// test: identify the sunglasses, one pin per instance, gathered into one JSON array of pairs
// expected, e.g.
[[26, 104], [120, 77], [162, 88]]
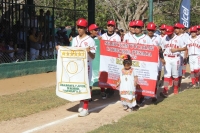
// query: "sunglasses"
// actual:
[[138, 27], [110, 26], [80, 27], [96, 29]]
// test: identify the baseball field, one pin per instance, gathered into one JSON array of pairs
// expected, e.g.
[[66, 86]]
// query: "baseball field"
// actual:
[[29, 104]]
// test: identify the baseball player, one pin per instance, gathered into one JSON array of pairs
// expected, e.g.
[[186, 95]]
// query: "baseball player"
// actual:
[[193, 46], [156, 40], [85, 41], [198, 30], [178, 31], [93, 29], [138, 38], [172, 41], [131, 31], [186, 37], [111, 36]]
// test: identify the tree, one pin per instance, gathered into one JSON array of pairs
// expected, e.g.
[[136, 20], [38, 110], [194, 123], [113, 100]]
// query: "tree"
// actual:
[[123, 11]]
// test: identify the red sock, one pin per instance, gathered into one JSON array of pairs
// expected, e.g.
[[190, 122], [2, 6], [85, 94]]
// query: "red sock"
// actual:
[[166, 84], [176, 82], [102, 89], [171, 81], [85, 104], [193, 78]]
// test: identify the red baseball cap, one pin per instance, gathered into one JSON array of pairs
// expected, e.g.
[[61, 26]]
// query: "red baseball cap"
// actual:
[[139, 23], [111, 22], [183, 26], [178, 25], [193, 29], [151, 26], [163, 27], [198, 27], [82, 22], [93, 27], [169, 30], [132, 23]]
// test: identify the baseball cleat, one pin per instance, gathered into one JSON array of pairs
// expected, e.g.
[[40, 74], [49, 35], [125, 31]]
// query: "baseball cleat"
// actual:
[[164, 95], [80, 106], [83, 113], [103, 95]]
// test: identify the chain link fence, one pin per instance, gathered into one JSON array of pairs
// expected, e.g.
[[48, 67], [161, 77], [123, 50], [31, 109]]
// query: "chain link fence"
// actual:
[[30, 31]]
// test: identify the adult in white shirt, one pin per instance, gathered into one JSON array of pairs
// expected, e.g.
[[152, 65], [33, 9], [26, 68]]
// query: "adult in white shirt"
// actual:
[[172, 59], [110, 35]]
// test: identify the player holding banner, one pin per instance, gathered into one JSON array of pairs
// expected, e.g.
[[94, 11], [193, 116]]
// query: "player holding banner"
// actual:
[[84, 41], [110, 35], [172, 64], [156, 40]]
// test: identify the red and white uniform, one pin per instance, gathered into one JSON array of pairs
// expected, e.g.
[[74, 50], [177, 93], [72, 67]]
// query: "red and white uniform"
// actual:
[[127, 36], [172, 59], [193, 46], [114, 37], [143, 39], [185, 39], [162, 40], [85, 42]]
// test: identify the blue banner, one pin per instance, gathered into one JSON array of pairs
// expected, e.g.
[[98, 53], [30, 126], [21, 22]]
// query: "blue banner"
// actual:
[[185, 13]]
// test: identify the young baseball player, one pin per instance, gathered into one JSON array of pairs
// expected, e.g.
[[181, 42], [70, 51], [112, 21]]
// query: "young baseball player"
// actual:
[[185, 61], [111, 36], [156, 40], [172, 64], [193, 46], [85, 41], [131, 31], [139, 38], [178, 31]]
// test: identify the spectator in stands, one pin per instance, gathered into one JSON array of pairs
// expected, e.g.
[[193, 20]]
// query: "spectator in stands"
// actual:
[[35, 43], [21, 38], [10, 50], [72, 34], [49, 22], [65, 37], [41, 20]]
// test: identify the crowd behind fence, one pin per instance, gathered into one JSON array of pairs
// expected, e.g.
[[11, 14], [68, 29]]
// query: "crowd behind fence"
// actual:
[[29, 32]]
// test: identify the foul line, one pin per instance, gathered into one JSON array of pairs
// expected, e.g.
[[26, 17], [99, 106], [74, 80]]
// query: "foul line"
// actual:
[[64, 119]]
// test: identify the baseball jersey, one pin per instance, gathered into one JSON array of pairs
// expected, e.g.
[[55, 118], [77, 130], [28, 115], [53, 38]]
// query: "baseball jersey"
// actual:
[[156, 40], [143, 39], [175, 42], [85, 42], [185, 38], [193, 46], [114, 37], [162, 40], [127, 36]]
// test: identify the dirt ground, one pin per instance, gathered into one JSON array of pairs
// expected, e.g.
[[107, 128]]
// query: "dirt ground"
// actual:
[[63, 119]]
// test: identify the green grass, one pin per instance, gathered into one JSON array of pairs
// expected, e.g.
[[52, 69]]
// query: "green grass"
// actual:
[[30, 102], [177, 114]]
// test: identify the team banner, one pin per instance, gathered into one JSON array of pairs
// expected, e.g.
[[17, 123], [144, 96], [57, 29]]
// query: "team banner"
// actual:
[[72, 74], [145, 64], [185, 13]]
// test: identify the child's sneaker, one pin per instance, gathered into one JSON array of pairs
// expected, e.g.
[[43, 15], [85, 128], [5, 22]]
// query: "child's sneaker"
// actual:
[[125, 107], [83, 113], [80, 106], [103, 95]]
